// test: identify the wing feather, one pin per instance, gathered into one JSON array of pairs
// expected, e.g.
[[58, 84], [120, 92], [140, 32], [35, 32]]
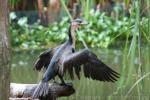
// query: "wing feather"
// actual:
[[44, 59], [92, 67], [70, 71]]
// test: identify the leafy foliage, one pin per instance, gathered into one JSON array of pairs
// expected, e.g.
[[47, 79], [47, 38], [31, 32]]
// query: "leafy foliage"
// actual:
[[101, 31]]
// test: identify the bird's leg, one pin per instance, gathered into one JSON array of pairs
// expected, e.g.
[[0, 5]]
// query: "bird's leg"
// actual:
[[54, 80], [62, 80]]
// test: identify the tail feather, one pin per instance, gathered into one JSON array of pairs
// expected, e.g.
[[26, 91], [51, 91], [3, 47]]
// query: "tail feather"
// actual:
[[41, 90]]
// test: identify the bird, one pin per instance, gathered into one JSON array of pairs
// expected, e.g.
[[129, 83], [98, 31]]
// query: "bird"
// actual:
[[64, 58]]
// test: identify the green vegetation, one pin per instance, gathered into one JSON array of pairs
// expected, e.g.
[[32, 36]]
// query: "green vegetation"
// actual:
[[100, 32]]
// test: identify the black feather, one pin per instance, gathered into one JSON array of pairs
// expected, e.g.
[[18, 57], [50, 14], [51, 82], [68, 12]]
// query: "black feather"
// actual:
[[92, 66]]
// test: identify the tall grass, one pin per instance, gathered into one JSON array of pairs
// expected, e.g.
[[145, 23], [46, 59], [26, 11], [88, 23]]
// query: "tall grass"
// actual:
[[134, 46], [148, 2]]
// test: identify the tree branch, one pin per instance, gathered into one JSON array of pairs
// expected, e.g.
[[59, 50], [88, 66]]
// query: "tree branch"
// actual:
[[24, 91]]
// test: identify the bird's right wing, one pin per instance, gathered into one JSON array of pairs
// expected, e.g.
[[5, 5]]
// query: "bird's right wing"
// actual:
[[44, 59], [92, 66]]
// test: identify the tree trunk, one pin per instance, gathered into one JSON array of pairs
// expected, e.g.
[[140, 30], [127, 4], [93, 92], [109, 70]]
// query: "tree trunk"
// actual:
[[70, 5], [53, 10], [42, 13], [4, 51]]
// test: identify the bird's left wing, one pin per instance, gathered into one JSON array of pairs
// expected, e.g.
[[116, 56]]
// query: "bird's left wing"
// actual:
[[92, 66]]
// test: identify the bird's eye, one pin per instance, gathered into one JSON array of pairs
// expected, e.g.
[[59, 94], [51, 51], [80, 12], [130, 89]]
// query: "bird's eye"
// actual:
[[80, 21]]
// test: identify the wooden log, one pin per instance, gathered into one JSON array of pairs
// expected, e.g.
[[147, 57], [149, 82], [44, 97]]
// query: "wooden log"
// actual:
[[25, 91]]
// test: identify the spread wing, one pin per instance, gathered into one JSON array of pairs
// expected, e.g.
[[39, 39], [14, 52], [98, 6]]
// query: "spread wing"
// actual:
[[44, 59], [92, 66]]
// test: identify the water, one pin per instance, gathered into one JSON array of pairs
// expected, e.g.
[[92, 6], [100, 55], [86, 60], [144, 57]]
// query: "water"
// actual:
[[86, 89]]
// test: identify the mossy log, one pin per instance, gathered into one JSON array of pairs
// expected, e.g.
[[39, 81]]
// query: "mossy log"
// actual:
[[24, 91]]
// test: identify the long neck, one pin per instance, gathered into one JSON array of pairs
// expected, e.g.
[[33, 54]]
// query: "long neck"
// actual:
[[72, 38]]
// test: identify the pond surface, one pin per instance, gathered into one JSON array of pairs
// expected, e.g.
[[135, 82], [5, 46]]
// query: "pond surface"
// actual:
[[86, 89]]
